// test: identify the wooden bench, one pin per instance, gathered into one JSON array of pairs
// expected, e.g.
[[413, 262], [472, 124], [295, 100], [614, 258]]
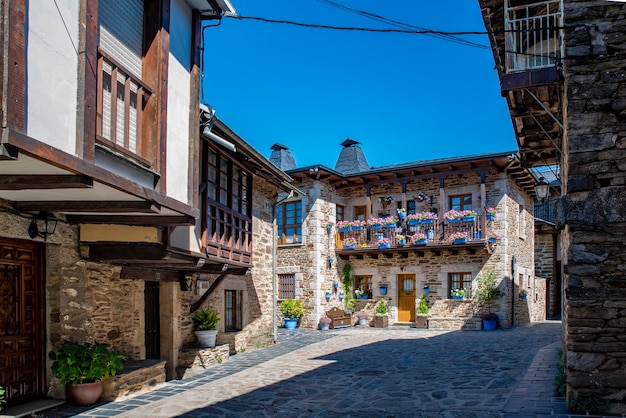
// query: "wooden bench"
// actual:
[[339, 318]]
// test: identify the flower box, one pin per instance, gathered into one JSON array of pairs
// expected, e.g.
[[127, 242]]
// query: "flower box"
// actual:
[[376, 226], [349, 247], [413, 222], [344, 229], [358, 228], [421, 242], [384, 246], [459, 241], [491, 217], [468, 218]]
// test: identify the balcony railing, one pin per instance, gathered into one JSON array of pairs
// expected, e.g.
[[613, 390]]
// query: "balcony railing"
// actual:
[[544, 213], [532, 35], [436, 233], [121, 100]]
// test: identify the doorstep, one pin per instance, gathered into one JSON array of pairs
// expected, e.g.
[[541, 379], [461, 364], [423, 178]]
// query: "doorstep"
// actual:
[[30, 408]]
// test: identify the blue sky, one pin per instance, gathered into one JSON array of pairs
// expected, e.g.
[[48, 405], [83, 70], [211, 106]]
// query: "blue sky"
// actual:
[[403, 97]]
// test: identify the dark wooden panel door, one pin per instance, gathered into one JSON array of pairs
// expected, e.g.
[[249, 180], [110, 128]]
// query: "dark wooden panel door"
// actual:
[[406, 297], [152, 327], [22, 327]]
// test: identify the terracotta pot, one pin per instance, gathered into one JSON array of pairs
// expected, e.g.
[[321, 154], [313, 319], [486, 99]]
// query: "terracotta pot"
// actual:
[[83, 394]]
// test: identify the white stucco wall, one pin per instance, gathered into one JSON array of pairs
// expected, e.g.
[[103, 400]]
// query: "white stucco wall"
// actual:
[[178, 102], [52, 73]]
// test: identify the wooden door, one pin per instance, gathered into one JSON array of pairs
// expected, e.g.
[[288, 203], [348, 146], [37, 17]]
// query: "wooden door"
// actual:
[[153, 323], [22, 306], [406, 298]]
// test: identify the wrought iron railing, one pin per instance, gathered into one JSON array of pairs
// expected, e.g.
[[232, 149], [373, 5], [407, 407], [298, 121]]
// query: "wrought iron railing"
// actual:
[[544, 212], [532, 35]]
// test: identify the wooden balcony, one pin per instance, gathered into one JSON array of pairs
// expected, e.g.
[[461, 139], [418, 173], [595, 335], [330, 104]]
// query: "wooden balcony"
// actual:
[[438, 236]]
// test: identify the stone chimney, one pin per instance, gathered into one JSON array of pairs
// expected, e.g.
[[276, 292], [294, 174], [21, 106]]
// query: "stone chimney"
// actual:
[[282, 158], [351, 159]]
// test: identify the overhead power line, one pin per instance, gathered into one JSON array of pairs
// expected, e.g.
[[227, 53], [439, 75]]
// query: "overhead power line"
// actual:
[[443, 36]]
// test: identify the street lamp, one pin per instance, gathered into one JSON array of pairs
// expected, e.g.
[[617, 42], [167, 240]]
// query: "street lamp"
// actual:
[[542, 189]]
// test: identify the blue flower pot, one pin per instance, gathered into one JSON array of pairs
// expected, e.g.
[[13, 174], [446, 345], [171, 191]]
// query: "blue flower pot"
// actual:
[[377, 226], [346, 229], [469, 218], [489, 324], [455, 220], [457, 297], [491, 217], [401, 215], [357, 228], [384, 246], [491, 240], [412, 222], [427, 221], [390, 225], [460, 241], [421, 242], [383, 290], [290, 323], [349, 247]]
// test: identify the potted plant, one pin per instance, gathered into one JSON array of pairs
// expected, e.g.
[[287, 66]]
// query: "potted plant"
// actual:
[[468, 215], [292, 310], [383, 288], [427, 217], [453, 216], [421, 319], [486, 293], [361, 294], [362, 317], [349, 243], [81, 368], [401, 239], [491, 213], [375, 223], [418, 238], [386, 200], [458, 294], [357, 225], [383, 243], [325, 323], [390, 221], [2, 400], [401, 213], [523, 294], [344, 226], [205, 327], [381, 321], [458, 237]]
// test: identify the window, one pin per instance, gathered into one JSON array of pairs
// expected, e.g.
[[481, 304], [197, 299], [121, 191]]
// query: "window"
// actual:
[[411, 207], [341, 213], [121, 92], [461, 202], [521, 222], [364, 283], [460, 281], [360, 212], [289, 220], [232, 310], [286, 286], [227, 196]]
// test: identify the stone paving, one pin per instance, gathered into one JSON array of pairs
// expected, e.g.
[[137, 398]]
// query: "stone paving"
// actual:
[[368, 372]]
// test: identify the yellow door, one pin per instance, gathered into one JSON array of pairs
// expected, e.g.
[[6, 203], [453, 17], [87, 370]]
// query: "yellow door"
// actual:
[[406, 297]]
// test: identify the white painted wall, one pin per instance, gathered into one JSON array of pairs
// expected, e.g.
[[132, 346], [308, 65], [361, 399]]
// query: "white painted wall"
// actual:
[[52, 60], [178, 139]]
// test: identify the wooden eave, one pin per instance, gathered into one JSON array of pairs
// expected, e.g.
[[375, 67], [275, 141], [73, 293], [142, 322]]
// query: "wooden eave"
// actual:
[[404, 173], [157, 256]]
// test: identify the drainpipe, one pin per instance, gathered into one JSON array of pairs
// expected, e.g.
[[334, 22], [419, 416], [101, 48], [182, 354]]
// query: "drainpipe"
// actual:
[[274, 275], [513, 293]]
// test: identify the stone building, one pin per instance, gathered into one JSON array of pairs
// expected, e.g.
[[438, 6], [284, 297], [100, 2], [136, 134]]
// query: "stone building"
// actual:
[[124, 203], [561, 65], [314, 242]]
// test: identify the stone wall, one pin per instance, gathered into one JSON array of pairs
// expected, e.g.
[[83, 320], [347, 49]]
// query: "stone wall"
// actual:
[[594, 202], [314, 275]]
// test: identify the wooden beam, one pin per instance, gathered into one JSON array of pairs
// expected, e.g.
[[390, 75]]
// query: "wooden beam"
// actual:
[[89, 206], [210, 290], [36, 182], [182, 220]]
